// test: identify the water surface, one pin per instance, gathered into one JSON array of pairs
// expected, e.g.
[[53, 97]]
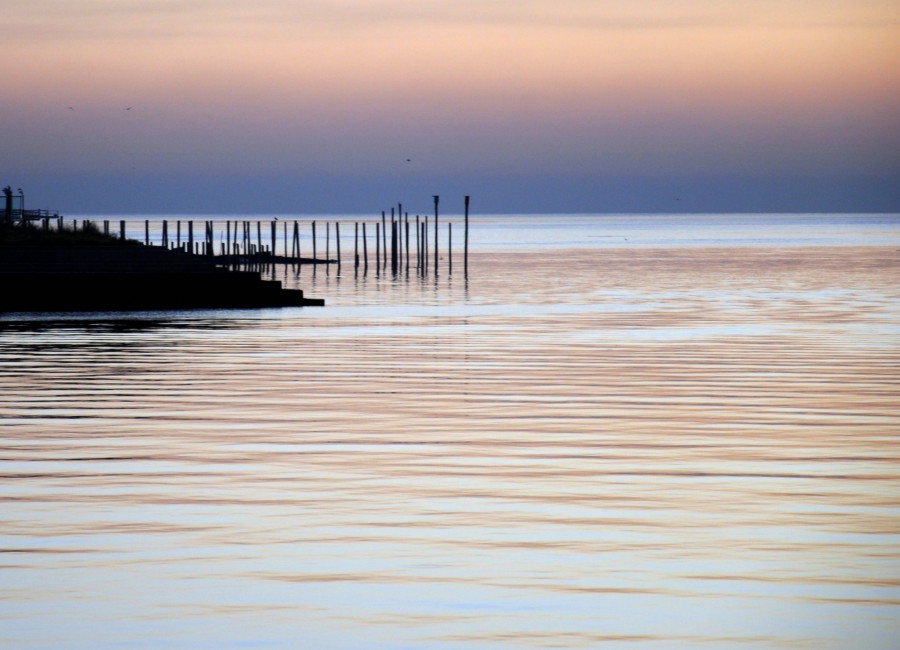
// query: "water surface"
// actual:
[[666, 445]]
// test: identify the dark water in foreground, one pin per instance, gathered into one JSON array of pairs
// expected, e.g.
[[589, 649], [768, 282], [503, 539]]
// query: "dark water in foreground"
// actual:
[[617, 445]]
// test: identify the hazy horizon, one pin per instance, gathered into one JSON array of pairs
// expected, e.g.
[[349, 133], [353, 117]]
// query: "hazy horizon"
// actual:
[[570, 106]]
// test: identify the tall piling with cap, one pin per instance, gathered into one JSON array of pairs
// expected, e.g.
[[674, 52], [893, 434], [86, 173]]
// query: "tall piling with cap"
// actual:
[[436, 200], [466, 249]]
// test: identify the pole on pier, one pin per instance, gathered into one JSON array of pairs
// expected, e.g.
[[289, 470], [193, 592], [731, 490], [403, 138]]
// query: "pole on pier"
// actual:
[[328, 242], [296, 247], [365, 250], [165, 234], [399, 234], [466, 249], [178, 233], [436, 199], [122, 229], [393, 246], [314, 239], [378, 245], [356, 245], [450, 247], [285, 238], [259, 236], [406, 239], [337, 241], [146, 232], [273, 238], [418, 244]]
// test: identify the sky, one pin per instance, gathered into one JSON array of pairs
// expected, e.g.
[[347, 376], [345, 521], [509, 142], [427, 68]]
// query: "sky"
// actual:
[[350, 106]]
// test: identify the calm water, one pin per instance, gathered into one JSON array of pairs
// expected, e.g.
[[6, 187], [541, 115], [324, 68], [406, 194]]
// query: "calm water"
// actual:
[[620, 432]]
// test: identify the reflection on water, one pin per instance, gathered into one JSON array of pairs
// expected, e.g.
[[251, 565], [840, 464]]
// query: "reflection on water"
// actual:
[[655, 448]]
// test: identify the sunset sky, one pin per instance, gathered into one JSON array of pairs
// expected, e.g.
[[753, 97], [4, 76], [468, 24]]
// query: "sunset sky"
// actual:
[[527, 105]]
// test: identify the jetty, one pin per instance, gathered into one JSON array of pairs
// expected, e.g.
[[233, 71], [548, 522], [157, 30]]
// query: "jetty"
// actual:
[[50, 263], [87, 271]]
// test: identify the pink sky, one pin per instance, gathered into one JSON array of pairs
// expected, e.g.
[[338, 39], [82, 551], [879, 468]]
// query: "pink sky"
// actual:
[[532, 103]]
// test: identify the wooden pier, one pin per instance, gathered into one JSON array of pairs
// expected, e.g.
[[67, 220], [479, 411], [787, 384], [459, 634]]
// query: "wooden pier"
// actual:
[[243, 243]]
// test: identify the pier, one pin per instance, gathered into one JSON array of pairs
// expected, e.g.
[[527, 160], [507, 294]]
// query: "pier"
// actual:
[[399, 244]]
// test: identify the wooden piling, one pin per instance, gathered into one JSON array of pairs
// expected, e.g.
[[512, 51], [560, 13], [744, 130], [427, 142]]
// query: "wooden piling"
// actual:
[[165, 233], [436, 199], [296, 247], [178, 233], [337, 241], [355, 245], [393, 246], [259, 236], [365, 250], [273, 238], [466, 249], [314, 239], [146, 232], [327, 241], [378, 245], [450, 247], [122, 229], [383, 237]]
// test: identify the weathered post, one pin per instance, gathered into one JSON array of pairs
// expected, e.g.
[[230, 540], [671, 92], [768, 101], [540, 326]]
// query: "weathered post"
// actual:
[[273, 238], [296, 248], [178, 233], [383, 238], [378, 245], [466, 249], [365, 250], [436, 199], [327, 241], [406, 239], [259, 236], [191, 237], [122, 229], [314, 239], [356, 245], [393, 247], [450, 247], [165, 233], [146, 232], [337, 241]]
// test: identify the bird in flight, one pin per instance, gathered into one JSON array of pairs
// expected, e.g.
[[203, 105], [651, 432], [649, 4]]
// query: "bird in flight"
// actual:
[[128, 109]]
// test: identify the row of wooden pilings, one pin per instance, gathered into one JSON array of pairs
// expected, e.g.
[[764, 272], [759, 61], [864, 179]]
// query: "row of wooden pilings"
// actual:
[[394, 241]]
